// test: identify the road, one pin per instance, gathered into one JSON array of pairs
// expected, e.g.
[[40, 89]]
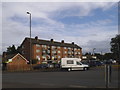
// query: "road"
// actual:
[[93, 78]]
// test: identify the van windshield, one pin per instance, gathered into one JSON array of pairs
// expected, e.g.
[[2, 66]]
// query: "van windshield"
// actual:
[[79, 63]]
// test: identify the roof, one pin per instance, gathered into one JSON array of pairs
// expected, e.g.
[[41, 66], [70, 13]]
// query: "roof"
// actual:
[[52, 43], [11, 56]]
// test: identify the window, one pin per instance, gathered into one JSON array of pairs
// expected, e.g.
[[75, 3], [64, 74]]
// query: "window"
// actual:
[[78, 52], [48, 47], [22, 46], [64, 47], [37, 45], [48, 51], [69, 48], [44, 51], [58, 51], [44, 46], [75, 52], [23, 52], [44, 56], [75, 48], [53, 46], [37, 57], [59, 56], [78, 63], [70, 62], [53, 51], [69, 52], [53, 57], [37, 51], [65, 56], [58, 47], [65, 52]]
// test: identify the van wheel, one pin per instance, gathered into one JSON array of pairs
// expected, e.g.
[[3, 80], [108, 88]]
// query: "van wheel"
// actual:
[[69, 69], [84, 68]]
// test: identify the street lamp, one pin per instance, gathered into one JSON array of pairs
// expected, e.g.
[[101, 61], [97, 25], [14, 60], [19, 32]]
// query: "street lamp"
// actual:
[[93, 51], [30, 37]]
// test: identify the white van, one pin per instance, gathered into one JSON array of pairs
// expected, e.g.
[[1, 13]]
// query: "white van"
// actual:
[[73, 64]]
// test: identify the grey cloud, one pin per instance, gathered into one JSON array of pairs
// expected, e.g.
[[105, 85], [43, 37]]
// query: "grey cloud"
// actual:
[[103, 46]]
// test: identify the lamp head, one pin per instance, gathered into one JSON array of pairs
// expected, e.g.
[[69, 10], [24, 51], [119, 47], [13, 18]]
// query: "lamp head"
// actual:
[[28, 12]]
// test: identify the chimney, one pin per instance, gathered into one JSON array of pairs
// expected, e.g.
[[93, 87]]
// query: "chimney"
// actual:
[[73, 43], [36, 38], [51, 40], [62, 41]]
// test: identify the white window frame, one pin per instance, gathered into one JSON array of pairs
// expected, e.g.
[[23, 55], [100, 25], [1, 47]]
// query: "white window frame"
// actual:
[[59, 52], [65, 47], [38, 57], [37, 50], [59, 56], [44, 46], [65, 52], [78, 52], [37, 45], [58, 47], [75, 48]]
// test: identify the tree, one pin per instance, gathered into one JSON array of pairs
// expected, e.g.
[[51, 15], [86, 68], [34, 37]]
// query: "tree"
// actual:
[[115, 47], [99, 56], [108, 56], [11, 50]]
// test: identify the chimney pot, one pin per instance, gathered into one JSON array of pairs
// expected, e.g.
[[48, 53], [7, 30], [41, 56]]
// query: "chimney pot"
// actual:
[[36, 37], [62, 41], [51, 40], [72, 42]]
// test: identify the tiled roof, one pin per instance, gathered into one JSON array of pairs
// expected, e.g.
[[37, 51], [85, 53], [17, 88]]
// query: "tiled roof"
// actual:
[[52, 43]]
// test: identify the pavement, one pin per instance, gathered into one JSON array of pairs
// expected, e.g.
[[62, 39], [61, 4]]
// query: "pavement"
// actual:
[[93, 78]]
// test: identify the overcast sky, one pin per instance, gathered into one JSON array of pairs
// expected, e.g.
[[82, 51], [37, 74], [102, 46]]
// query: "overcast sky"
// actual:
[[90, 25]]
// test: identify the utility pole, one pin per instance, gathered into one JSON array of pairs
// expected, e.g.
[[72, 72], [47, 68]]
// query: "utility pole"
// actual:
[[30, 40]]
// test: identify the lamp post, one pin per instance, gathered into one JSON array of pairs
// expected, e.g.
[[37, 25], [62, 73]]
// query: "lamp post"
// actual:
[[30, 38], [94, 51]]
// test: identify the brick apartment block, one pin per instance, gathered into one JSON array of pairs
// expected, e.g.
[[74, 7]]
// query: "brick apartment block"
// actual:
[[45, 50]]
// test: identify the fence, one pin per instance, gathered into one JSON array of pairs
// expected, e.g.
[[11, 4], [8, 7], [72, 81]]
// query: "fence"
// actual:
[[16, 68]]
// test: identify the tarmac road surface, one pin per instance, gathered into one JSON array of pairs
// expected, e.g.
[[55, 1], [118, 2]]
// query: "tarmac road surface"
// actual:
[[93, 78]]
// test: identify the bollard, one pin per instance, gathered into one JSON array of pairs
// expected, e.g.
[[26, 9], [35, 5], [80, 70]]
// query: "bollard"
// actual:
[[108, 74]]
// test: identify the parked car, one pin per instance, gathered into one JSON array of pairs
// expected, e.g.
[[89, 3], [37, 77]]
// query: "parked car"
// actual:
[[107, 62], [92, 63], [85, 62], [57, 65], [50, 65], [98, 63], [39, 66]]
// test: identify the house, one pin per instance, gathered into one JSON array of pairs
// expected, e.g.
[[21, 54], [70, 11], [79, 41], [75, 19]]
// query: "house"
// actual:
[[15, 62], [47, 50]]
